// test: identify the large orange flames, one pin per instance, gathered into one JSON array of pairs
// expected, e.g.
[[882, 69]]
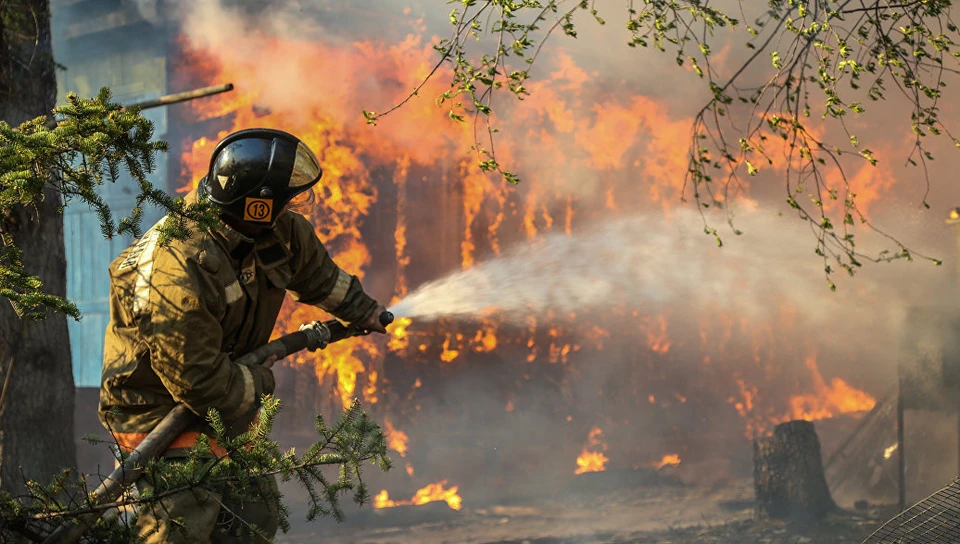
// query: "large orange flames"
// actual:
[[587, 148]]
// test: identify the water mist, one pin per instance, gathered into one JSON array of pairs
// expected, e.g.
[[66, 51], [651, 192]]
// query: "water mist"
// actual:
[[639, 262]]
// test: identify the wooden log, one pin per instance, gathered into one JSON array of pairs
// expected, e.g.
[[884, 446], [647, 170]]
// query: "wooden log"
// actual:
[[788, 474], [168, 99]]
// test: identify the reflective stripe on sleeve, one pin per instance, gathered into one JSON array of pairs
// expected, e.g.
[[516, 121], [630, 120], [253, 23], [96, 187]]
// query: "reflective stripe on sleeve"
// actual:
[[249, 396], [141, 291], [335, 298]]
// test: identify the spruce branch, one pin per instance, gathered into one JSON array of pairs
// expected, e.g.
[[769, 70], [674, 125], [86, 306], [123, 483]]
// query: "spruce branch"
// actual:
[[93, 141], [331, 467]]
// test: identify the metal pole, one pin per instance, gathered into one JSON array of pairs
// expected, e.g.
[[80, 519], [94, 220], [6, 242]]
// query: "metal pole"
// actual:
[[954, 219], [168, 99], [901, 463]]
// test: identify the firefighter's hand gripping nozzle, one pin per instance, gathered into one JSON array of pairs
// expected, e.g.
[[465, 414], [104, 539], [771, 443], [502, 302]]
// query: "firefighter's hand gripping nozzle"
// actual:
[[321, 333]]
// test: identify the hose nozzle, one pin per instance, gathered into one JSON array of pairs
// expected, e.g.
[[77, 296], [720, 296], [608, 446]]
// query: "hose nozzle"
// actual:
[[386, 317]]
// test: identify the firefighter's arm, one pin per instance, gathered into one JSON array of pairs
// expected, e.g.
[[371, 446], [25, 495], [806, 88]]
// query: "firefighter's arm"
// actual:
[[182, 330], [318, 281]]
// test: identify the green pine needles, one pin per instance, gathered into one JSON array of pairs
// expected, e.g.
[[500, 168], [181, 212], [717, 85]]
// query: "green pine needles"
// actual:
[[92, 141], [329, 470]]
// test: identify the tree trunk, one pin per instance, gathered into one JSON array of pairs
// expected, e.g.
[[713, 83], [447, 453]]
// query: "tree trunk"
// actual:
[[788, 474], [37, 391]]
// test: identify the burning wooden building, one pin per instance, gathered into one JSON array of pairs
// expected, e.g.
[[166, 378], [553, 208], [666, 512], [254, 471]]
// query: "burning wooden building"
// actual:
[[675, 379]]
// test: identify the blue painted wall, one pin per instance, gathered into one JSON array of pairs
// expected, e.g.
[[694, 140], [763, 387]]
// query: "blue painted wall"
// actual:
[[105, 43]]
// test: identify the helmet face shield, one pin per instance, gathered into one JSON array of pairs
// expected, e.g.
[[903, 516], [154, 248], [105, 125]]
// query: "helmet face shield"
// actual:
[[306, 168]]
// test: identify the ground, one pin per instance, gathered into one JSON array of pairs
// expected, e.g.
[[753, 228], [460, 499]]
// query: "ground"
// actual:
[[616, 506], [666, 513]]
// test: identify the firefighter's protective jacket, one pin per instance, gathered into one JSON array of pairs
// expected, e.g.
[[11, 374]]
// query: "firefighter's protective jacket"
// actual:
[[181, 312]]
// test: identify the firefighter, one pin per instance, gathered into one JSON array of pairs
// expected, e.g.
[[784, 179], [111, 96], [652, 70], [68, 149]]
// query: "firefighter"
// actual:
[[181, 312]]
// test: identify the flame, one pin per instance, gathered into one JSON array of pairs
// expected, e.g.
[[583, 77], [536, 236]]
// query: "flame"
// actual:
[[436, 492], [827, 401], [396, 439], [477, 187], [382, 500], [431, 493], [370, 391], [888, 452], [399, 338], [657, 339], [485, 340], [668, 460], [400, 231], [591, 460], [448, 354]]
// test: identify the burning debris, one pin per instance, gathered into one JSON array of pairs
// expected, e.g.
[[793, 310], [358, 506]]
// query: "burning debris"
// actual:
[[888, 452], [669, 460], [432, 493], [592, 459]]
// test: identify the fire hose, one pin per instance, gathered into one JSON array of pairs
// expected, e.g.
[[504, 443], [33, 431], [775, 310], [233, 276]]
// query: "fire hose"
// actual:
[[311, 336]]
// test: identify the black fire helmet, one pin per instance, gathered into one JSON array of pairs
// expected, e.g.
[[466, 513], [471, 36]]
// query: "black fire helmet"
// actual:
[[255, 173]]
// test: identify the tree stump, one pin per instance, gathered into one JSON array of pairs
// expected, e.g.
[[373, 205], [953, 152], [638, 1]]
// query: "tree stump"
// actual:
[[788, 474]]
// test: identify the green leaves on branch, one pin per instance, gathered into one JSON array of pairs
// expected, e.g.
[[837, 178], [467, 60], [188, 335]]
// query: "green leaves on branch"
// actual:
[[92, 142], [675, 23], [826, 57], [829, 57]]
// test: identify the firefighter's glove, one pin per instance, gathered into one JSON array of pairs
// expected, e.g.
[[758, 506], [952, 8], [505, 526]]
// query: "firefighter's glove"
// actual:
[[268, 362], [263, 380], [372, 321]]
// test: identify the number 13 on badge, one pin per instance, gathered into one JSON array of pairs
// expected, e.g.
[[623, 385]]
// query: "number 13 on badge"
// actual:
[[258, 209]]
